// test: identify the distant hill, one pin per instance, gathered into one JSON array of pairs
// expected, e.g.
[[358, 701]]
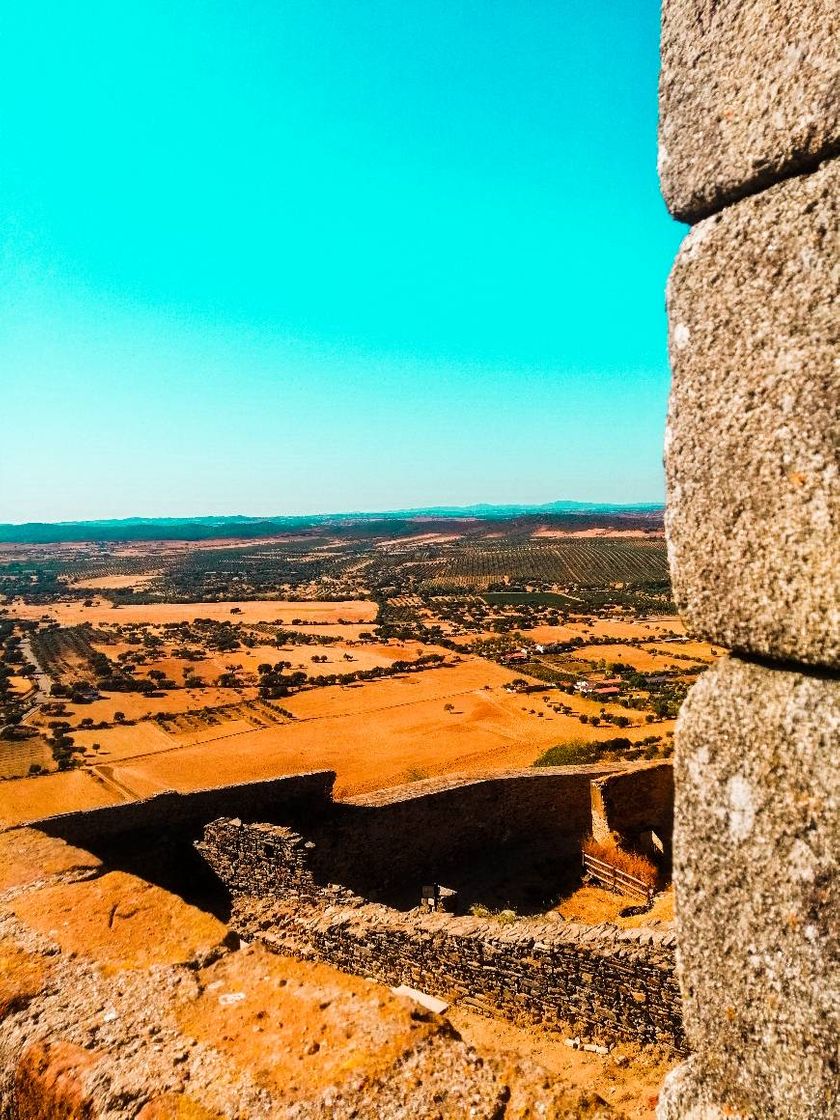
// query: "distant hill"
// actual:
[[565, 514]]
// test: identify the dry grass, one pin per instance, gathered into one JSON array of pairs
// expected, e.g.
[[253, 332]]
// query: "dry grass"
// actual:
[[591, 903], [648, 629], [29, 798], [631, 863], [115, 582], [265, 610], [646, 659]]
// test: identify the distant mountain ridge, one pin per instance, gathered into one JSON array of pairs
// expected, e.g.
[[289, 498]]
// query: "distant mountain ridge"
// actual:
[[242, 526]]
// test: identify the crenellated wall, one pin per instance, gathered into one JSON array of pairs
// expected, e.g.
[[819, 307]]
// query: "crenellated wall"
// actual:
[[749, 136]]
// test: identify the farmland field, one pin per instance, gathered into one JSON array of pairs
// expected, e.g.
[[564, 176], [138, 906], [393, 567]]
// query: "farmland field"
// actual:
[[271, 610], [387, 652]]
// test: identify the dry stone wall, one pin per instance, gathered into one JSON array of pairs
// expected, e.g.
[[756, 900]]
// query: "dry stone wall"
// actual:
[[606, 982], [390, 842], [118, 1001], [749, 136]]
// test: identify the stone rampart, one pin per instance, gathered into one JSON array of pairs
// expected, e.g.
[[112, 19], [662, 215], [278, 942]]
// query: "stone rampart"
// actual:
[[749, 137], [272, 799], [608, 982], [119, 1001], [429, 831]]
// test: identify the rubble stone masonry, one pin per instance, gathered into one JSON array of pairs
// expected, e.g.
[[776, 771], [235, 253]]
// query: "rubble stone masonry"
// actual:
[[608, 983]]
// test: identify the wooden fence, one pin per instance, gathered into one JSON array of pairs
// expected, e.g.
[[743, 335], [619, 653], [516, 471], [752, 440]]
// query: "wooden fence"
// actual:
[[619, 881]]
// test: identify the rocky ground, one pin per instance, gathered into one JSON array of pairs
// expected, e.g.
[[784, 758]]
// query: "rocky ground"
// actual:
[[119, 1000]]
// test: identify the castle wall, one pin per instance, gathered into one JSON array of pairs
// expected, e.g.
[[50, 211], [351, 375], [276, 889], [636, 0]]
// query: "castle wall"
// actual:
[[749, 136], [434, 830], [627, 804], [275, 798], [607, 982]]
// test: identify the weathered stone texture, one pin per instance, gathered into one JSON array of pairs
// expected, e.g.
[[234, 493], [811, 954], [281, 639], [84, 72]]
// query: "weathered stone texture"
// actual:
[[753, 517], [756, 851], [749, 92]]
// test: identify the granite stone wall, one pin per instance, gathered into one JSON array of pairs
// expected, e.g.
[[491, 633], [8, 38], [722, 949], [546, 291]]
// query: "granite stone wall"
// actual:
[[386, 845], [604, 982], [749, 137]]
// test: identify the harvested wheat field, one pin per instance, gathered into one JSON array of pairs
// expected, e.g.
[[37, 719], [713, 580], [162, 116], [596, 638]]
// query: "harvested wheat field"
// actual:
[[314, 660], [123, 741], [412, 736], [409, 688], [134, 705], [258, 610], [645, 659], [19, 685], [28, 799], [617, 629], [18, 755], [115, 582], [582, 705]]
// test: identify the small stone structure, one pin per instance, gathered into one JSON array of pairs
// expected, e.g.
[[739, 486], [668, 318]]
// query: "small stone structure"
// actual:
[[749, 138]]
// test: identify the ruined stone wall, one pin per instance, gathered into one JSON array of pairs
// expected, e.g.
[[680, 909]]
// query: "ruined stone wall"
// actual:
[[118, 1001], [627, 804], [749, 135], [607, 982], [427, 830], [272, 799]]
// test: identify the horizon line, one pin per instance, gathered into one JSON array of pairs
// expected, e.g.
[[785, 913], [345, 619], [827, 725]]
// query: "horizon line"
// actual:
[[446, 510]]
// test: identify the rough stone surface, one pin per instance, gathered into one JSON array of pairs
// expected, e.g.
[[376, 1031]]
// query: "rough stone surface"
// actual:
[[28, 857], [176, 1106], [749, 92], [118, 1001], [50, 1082], [753, 516], [756, 848], [120, 920]]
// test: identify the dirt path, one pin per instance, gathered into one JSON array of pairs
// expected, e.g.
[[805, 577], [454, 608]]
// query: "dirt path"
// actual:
[[105, 776], [42, 682]]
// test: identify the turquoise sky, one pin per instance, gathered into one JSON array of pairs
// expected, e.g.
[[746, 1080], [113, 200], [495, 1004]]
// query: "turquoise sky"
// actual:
[[286, 257]]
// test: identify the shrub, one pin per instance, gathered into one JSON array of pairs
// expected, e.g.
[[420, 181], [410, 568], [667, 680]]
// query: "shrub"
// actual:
[[577, 752], [632, 863]]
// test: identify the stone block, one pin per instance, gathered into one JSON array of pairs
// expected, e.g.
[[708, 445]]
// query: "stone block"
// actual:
[[751, 447], [22, 976], [756, 849], [51, 1082], [749, 92]]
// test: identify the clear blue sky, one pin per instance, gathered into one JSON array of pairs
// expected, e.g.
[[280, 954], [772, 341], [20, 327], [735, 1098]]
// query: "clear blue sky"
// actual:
[[287, 256]]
